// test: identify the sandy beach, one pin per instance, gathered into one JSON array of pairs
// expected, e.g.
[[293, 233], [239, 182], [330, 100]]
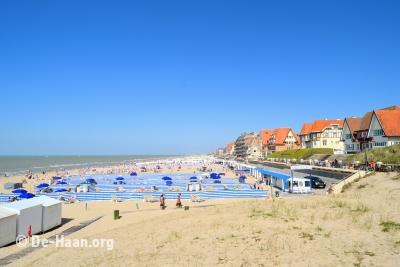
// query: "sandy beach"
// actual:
[[333, 230]]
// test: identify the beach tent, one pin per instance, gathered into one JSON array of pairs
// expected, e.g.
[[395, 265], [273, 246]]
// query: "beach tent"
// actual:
[[26, 195], [19, 191], [28, 213], [51, 212], [8, 226]]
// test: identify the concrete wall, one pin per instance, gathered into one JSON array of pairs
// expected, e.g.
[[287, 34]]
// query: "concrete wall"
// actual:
[[337, 188]]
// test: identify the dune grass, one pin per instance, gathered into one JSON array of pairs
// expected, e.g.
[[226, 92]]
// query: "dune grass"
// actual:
[[300, 153], [387, 155]]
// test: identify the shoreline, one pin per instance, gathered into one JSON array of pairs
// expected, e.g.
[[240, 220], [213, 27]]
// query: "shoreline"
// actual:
[[65, 165]]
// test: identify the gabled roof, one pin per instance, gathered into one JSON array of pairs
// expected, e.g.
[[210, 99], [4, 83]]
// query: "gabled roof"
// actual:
[[354, 123], [366, 120], [280, 135], [390, 120]]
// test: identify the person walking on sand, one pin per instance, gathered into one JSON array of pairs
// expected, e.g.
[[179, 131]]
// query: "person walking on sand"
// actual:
[[162, 201], [178, 201]]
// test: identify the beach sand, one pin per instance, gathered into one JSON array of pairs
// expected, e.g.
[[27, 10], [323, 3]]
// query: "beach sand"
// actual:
[[340, 230]]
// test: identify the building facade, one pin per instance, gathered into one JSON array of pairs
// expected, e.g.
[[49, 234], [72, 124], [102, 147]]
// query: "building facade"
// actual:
[[282, 139], [377, 128], [322, 134]]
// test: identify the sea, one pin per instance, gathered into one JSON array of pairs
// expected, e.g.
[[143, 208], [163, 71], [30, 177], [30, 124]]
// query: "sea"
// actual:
[[16, 165]]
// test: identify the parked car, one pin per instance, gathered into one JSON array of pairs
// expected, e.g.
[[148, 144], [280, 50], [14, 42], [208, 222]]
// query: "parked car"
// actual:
[[316, 182]]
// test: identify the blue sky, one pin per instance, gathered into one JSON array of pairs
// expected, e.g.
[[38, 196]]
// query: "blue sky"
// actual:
[[173, 77]]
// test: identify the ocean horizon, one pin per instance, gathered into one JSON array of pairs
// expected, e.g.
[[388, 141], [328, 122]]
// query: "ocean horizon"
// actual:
[[14, 164]]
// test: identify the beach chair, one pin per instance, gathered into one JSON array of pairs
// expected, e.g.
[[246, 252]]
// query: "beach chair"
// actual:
[[149, 198], [196, 198]]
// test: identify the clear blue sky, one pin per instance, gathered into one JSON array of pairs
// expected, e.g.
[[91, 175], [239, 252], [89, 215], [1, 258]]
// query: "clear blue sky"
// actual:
[[172, 77]]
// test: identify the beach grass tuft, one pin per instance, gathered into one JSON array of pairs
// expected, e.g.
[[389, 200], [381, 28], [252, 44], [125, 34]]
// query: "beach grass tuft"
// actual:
[[389, 226]]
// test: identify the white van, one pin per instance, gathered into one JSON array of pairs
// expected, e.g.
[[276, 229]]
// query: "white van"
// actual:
[[300, 185]]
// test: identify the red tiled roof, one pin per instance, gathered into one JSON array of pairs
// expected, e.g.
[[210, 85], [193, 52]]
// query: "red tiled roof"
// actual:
[[265, 136], [306, 128], [390, 121], [319, 126], [280, 135]]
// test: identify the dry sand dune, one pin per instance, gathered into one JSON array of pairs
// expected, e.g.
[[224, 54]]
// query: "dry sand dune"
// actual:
[[341, 230]]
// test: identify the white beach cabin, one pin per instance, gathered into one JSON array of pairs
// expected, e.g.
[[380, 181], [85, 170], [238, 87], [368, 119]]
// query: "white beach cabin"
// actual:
[[28, 213], [8, 226], [51, 212]]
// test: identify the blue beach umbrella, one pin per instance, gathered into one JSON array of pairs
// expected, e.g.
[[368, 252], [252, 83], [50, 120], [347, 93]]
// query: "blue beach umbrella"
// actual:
[[166, 178], [120, 178], [43, 185], [61, 190], [91, 181], [61, 183], [193, 179], [133, 174], [26, 195], [243, 177], [57, 178], [216, 177], [213, 175], [19, 191]]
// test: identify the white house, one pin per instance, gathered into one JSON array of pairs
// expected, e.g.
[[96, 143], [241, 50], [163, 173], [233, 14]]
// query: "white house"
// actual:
[[377, 128], [384, 128]]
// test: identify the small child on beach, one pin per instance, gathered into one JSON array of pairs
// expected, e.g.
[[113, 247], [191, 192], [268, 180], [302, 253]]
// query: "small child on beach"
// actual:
[[162, 201], [178, 201]]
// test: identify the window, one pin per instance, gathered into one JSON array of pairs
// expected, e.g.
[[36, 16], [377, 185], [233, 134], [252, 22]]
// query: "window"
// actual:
[[378, 132], [324, 142], [379, 144], [307, 183], [348, 136]]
